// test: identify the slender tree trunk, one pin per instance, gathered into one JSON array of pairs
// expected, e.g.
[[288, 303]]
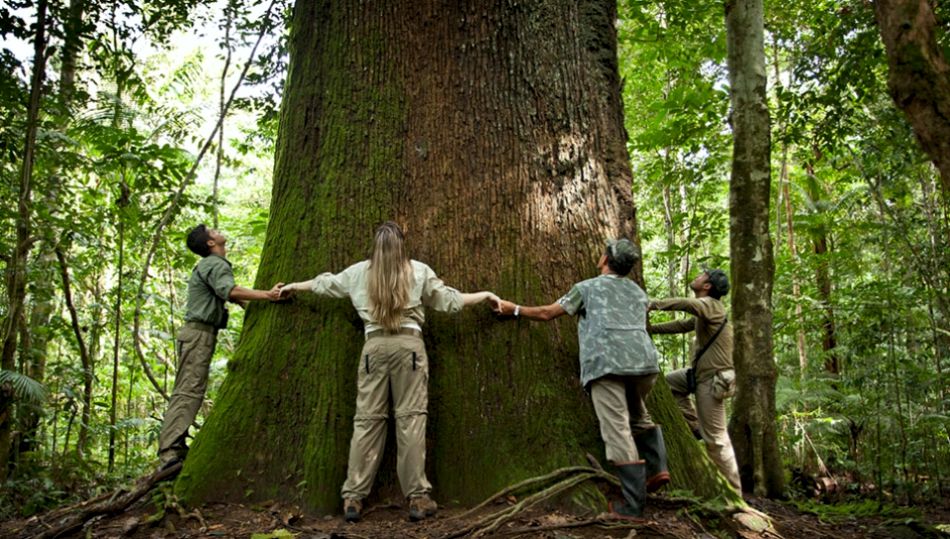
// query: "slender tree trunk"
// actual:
[[819, 238], [72, 45], [95, 348], [34, 348], [918, 76], [793, 253], [752, 427], [83, 353], [219, 156], [16, 280], [116, 342], [494, 134]]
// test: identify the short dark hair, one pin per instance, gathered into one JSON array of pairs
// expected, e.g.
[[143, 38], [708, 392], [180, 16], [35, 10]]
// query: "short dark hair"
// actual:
[[718, 282], [619, 264], [198, 240]]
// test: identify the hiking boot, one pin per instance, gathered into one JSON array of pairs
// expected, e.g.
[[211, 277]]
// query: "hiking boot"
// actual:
[[651, 447], [166, 464], [169, 458], [633, 485], [352, 509], [421, 507]]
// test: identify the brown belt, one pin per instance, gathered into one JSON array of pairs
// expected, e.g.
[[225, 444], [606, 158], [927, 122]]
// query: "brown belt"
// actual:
[[402, 331]]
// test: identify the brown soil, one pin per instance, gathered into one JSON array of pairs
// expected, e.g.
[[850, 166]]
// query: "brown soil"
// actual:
[[665, 518]]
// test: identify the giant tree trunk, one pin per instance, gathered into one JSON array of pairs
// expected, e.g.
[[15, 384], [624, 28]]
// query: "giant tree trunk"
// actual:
[[493, 132], [752, 427], [918, 76]]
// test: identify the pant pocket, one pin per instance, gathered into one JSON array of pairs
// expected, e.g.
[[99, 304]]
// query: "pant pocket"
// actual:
[[724, 384]]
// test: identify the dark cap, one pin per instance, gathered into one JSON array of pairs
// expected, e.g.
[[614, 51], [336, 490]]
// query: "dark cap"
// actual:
[[718, 279], [623, 251]]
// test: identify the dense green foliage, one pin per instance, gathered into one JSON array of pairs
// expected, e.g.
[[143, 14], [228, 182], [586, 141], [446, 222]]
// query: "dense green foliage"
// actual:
[[866, 217], [869, 273]]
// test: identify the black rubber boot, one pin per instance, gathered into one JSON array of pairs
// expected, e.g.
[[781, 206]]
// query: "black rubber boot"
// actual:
[[651, 447], [633, 485]]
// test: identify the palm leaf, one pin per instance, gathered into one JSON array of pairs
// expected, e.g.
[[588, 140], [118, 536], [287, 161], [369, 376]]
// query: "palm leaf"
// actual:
[[24, 387]]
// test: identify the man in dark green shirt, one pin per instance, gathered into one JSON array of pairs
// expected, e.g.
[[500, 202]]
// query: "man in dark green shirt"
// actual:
[[211, 285]]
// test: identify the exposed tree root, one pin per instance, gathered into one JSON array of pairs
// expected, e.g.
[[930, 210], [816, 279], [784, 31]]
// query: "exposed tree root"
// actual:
[[69, 519], [601, 521], [750, 523]]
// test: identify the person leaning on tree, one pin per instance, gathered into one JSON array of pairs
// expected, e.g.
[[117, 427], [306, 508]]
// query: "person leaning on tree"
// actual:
[[210, 287], [711, 351], [390, 292], [618, 365]]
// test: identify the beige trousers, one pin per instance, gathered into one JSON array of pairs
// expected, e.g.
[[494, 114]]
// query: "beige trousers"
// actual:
[[195, 348], [397, 366], [710, 421], [622, 414]]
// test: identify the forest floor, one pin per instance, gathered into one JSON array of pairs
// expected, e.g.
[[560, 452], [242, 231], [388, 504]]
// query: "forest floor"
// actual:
[[665, 518]]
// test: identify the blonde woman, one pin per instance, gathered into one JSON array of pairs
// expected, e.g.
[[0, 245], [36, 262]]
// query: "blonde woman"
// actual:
[[390, 292]]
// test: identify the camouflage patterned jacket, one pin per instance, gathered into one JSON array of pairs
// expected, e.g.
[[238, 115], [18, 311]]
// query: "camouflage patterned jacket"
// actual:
[[611, 327]]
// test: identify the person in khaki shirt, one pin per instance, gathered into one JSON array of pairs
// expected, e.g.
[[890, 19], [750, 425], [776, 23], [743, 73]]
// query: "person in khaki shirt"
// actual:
[[714, 374], [210, 287], [390, 293]]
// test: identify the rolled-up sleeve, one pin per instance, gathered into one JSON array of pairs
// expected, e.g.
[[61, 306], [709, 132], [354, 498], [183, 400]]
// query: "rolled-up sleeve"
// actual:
[[436, 295], [572, 301]]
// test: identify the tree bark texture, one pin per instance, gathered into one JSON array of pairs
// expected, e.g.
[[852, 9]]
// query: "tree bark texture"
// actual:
[[752, 427], [918, 76], [16, 279], [493, 133]]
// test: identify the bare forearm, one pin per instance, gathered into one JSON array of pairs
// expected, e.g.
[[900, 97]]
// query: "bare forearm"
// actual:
[[299, 287], [239, 294], [471, 298], [540, 313]]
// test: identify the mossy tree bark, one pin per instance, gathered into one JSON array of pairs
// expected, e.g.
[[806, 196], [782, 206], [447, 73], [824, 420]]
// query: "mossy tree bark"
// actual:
[[493, 133], [752, 427]]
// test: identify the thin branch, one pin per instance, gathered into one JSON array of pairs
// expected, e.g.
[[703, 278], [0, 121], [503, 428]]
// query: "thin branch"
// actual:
[[83, 351]]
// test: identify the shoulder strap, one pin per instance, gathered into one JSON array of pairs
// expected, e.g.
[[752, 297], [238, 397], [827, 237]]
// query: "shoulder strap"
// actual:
[[711, 341]]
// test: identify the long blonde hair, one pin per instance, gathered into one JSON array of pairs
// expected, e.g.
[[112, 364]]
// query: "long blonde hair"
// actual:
[[390, 277]]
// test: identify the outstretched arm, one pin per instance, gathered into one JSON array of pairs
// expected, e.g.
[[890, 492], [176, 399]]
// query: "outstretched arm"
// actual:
[[541, 313], [477, 297], [241, 295], [326, 284], [289, 290]]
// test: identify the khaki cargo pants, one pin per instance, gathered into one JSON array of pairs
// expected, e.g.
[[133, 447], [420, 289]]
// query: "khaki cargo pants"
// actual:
[[710, 420], [622, 414], [195, 346], [390, 365]]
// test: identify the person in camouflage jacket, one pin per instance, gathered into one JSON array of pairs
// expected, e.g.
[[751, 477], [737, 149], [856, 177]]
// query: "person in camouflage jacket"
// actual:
[[618, 367]]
